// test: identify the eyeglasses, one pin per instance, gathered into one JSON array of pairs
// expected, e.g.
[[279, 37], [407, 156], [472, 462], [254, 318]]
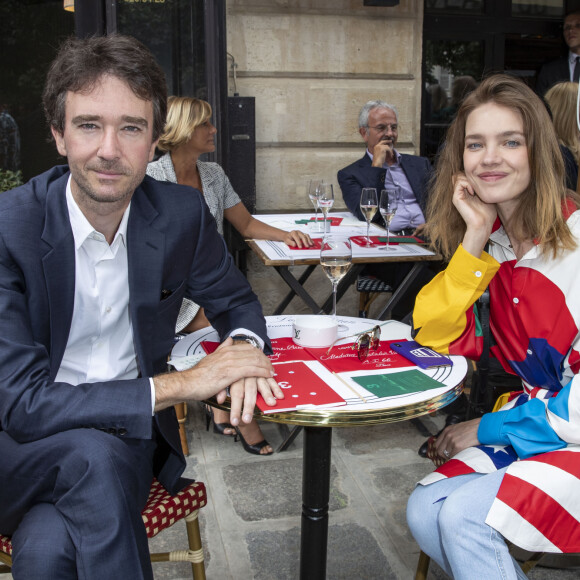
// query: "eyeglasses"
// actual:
[[384, 128], [365, 341]]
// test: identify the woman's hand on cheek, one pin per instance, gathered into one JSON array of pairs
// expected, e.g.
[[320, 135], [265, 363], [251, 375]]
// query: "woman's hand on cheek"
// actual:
[[478, 216]]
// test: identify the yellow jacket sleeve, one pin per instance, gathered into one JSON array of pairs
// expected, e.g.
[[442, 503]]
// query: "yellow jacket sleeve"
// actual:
[[440, 314]]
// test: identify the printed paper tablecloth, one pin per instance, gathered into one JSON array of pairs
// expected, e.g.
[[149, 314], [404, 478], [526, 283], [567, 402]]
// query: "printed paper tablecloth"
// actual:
[[345, 383]]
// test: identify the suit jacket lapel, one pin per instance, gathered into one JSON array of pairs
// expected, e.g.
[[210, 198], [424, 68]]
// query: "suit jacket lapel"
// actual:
[[379, 185], [414, 176], [145, 250], [58, 263]]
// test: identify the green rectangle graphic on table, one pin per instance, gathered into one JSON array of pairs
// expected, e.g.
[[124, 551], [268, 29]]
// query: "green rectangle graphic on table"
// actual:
[[396, 384]]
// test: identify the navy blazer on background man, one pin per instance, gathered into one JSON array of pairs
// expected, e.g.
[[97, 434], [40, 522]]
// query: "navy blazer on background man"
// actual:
[[361, 174], [174, 250], [556, 71]]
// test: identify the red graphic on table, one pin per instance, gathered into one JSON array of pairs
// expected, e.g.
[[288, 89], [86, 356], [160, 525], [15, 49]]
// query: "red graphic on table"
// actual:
[[209, 346], [378, 241], [334, 221], [302, 388], [285, 349], [317, 245], [344, 358]]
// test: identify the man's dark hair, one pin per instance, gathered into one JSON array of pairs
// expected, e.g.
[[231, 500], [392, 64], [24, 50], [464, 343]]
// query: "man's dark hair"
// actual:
[[81, 62]]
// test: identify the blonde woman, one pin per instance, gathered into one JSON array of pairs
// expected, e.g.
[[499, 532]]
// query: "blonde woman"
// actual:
[[561, 100], [188, 134], [501, 213]]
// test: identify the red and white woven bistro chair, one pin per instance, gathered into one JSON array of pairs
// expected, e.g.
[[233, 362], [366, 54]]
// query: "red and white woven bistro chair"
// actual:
[[161, 512]]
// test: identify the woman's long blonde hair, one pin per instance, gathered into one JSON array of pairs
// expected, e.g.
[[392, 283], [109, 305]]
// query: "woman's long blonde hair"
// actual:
[[540, 211], [561, 99], [184, 115]]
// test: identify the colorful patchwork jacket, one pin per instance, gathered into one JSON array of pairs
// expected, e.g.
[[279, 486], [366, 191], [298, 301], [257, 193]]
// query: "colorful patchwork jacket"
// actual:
[[535, 322]]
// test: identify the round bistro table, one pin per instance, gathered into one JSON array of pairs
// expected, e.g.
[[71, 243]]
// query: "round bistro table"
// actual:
[[318, 425]]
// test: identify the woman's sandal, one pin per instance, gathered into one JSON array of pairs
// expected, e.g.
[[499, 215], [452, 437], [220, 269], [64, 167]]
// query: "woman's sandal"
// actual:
[[217, 427], [255, 448]]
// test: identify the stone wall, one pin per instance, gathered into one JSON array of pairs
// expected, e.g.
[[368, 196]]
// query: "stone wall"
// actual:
[[311, 65]]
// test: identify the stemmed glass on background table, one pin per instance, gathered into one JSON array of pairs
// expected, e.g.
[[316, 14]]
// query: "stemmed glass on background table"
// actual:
[[325, 202], [388, 208], [336, 260], [313, 193], [368, 207]]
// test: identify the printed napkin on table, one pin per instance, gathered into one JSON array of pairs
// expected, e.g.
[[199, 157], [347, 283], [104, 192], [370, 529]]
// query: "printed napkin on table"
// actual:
[[344, 358], [302, 389], [334, 221], [317, 245], [381, 241], [285, 349]]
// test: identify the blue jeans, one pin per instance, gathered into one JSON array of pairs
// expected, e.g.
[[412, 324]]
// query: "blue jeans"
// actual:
[[447, 519]]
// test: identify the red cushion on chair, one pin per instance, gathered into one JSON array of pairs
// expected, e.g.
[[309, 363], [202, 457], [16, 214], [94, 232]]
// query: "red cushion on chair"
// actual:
[[5, 545], [163, 510]]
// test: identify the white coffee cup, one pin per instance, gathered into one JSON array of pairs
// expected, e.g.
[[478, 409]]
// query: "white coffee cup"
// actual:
[[314, 331]]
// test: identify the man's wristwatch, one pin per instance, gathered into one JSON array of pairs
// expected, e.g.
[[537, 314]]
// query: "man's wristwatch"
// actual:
[[246, 338]]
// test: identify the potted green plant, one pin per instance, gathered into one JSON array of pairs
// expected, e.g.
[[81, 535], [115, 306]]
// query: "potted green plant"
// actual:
[[9, 179]]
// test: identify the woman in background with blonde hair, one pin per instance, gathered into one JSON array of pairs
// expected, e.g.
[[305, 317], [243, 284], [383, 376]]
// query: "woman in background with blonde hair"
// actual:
[[188, 134], [562, 101]]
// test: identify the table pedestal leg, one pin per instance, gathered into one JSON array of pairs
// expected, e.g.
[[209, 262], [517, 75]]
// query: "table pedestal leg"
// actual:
[[315, 495]]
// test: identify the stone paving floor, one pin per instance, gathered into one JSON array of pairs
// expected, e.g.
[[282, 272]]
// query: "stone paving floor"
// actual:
[[251, 525]]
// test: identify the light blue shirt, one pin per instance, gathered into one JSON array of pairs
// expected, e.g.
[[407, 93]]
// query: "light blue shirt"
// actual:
[[409, 213]]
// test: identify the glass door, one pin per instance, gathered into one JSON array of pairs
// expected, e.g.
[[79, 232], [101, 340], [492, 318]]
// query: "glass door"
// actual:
[[463, 41], [174, 32]]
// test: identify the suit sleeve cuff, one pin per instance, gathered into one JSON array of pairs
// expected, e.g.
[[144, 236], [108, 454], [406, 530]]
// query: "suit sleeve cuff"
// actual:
[[490, 429]]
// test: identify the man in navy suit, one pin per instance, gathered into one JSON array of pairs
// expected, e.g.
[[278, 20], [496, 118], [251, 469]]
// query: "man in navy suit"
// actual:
[[382, 166], [563, 69], [95, 259]]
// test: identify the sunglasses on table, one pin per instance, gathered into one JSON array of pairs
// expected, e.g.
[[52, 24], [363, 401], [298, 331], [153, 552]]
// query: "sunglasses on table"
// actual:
[[366, 340]]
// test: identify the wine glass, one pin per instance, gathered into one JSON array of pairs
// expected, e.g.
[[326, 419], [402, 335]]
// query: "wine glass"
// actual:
[[388, 208], [325, 201], [313, 192], [368, 206], [336, 260]]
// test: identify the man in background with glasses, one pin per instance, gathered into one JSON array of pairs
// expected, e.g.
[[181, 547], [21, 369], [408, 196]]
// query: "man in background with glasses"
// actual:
[[382, 167], [566, 68]]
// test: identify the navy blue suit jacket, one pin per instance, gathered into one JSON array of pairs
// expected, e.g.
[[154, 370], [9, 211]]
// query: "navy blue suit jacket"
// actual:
[[361, 174], [553, 72], [173, 249]]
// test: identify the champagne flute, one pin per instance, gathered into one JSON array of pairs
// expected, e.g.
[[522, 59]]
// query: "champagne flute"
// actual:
[[368, 207], [388, 208], [336, 260], [325, 201], [313, 192]]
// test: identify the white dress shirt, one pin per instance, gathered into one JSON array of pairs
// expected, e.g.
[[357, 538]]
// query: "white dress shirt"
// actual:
[[572, 64], [100, 343]]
